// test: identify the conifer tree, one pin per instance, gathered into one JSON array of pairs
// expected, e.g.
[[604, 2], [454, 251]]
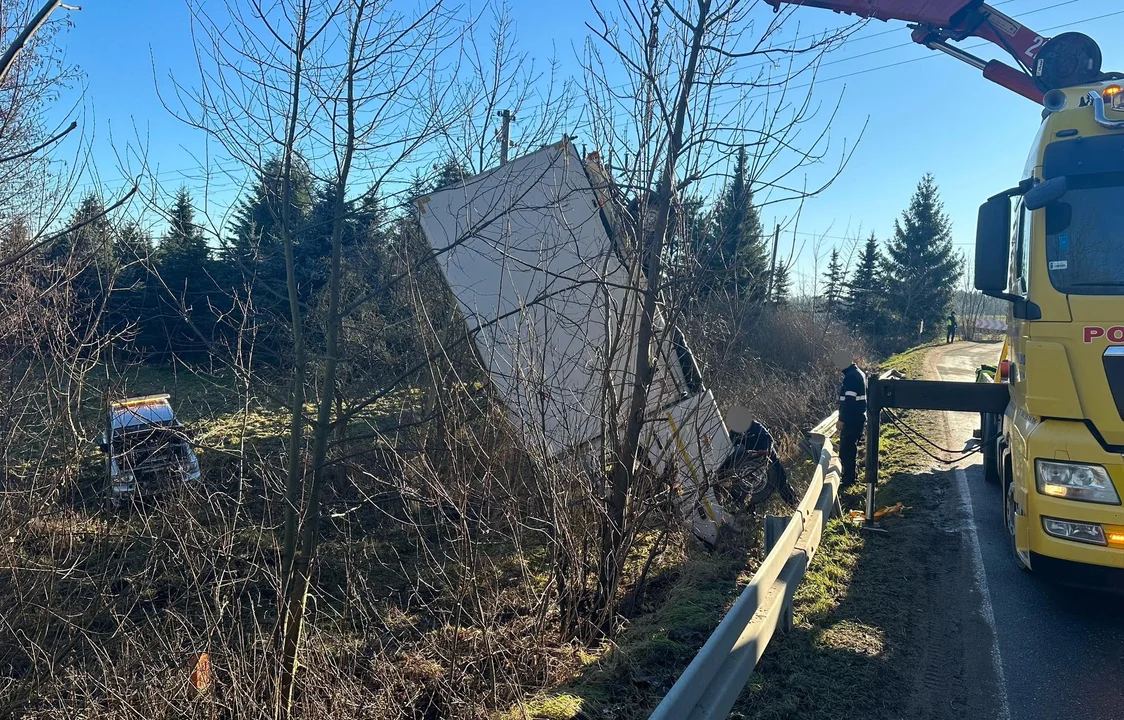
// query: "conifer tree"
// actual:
[[732, 255], [186, 287], [781, 285], [921, 268], [864, 299], [834, 278]]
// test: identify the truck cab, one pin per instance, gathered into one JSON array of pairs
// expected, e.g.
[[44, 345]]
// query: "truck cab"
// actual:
[[147, 449], [1054, 247]]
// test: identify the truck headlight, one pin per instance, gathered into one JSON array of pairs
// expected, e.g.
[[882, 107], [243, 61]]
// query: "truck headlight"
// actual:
[[124, 483], [1077, 531], [1075, 481]]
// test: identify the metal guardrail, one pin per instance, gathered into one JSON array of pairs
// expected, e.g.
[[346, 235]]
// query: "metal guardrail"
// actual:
[[710, 685]]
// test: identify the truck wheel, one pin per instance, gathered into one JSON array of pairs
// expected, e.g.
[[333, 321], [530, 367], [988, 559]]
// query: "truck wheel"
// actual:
[[990, 450], [748, 483], [1009, 520], [991, 472]]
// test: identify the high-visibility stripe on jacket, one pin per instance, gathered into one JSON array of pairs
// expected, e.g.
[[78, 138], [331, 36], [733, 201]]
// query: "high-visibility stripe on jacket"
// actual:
[[852, 397]]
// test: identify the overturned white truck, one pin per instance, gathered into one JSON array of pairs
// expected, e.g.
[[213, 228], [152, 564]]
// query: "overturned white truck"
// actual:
[[536, 259]]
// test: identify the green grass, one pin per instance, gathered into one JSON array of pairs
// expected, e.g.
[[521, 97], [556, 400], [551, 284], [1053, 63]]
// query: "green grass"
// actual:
[[844, 656], [558, 707], [223, 415]]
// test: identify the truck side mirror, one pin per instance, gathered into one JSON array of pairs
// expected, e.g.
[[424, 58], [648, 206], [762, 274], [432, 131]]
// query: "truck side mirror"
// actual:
[[993, 245], [1045, 193]]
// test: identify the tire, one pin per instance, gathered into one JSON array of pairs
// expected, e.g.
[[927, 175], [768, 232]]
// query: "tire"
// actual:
[[749, 482], [989, 429], [1009, 515]]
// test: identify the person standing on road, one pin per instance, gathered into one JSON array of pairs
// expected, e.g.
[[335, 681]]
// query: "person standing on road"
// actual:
[[951, 328], [852, 413]]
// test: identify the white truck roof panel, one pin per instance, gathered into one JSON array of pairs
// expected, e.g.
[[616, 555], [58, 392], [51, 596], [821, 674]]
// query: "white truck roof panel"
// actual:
[[526, 253]]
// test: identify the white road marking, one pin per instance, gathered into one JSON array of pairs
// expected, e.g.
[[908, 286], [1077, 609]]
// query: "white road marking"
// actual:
[[981, 580], [985, 591]]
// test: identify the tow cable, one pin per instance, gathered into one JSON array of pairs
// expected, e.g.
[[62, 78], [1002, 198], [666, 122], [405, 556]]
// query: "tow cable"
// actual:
[[911, 434]]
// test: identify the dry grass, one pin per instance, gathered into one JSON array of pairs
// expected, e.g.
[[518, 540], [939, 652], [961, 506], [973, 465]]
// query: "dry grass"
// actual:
[[437, 592]]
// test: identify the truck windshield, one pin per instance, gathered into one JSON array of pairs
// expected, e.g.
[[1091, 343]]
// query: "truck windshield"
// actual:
[[1085, 236]]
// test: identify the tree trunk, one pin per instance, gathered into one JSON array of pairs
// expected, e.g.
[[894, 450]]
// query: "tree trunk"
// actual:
[[297, 600], [627, 450]]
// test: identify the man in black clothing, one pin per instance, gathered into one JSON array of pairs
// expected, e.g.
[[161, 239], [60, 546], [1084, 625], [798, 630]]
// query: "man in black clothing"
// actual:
[[951, 328], [852, 413]]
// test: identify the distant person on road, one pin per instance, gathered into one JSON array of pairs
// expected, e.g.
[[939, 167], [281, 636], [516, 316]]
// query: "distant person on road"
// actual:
[[852, 413], [951, 328]]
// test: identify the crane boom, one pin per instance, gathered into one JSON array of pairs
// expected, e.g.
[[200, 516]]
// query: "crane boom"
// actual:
[[1045, 63]]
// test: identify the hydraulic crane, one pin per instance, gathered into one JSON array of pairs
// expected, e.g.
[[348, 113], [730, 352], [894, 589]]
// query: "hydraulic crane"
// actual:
[[1044, 64]]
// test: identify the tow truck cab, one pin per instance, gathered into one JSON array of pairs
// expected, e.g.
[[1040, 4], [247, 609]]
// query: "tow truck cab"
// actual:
[[1054, 247], [146, 447]]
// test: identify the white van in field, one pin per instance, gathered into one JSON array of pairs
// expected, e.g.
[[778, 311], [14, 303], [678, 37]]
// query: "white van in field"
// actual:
[[148, 448]]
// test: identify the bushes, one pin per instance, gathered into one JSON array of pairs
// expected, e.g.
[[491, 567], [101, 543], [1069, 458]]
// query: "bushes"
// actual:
[[776, 361]]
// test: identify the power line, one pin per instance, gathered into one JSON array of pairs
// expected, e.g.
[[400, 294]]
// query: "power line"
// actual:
[[911, 43], [765, 93], [898, 46], [227, 166]]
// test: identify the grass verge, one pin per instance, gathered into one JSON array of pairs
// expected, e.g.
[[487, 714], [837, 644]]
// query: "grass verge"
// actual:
[[852, 615], [848, 654]]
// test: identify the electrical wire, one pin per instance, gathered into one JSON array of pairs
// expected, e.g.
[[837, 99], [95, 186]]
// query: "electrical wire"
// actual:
[[228, 166], [229, 184]]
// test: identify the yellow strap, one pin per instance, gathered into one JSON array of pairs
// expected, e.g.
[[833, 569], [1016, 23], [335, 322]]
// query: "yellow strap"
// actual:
[[690, 465]]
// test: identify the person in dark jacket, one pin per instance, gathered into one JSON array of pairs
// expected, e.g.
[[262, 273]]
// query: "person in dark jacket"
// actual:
[[852, 413], [951, 337]]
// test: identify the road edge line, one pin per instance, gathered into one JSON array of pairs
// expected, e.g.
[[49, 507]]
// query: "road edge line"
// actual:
[[980, 573]]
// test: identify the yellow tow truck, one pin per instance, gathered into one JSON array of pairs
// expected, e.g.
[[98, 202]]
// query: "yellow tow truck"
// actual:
[[1058, 256], [1053, 246]]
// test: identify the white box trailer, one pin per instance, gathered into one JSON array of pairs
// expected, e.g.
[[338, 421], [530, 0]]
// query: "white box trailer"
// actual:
[[554, 313]]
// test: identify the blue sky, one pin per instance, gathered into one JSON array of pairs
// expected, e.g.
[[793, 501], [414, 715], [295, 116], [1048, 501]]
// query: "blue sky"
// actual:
[[922, 112]]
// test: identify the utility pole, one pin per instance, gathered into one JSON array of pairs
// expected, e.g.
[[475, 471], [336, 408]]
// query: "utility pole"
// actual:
[[507, 118], [773, 263]]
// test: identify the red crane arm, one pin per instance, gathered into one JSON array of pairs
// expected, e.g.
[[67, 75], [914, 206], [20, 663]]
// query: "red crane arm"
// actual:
[[937, 13], [937, 22]]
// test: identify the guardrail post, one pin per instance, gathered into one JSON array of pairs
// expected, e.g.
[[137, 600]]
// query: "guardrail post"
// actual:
[[774, 527], [787, 622]]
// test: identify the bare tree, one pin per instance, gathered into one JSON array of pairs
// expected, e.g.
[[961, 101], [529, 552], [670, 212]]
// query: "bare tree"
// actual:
[[491, 76], [687, 102], [347, 88], [972, 304]]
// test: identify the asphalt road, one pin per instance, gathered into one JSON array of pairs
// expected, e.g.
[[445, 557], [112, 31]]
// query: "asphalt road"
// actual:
[[1058, 652]]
